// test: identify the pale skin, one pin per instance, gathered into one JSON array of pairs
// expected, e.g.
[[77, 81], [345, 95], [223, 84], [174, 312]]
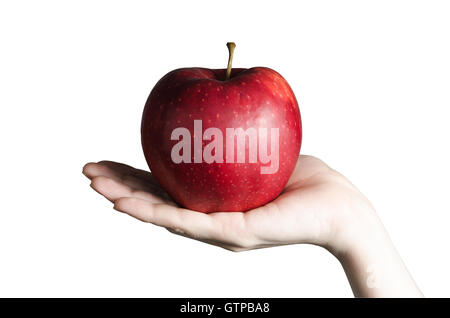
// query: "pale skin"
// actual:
[[318, 206]]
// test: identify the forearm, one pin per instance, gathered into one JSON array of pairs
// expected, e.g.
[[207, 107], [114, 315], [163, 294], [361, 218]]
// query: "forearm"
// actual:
[[373, 266]]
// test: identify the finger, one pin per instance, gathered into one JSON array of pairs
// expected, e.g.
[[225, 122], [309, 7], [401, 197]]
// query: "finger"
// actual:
[[92, 170], [221, 244], [305, 168], [124, 169], [196, 225], [113, 190]]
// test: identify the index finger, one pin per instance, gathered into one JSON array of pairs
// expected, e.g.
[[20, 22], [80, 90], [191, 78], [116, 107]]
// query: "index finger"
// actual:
[[194, 224]]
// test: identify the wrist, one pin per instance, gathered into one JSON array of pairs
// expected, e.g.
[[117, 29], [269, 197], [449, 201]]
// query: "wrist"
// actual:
[[357, 234], [372, 264]]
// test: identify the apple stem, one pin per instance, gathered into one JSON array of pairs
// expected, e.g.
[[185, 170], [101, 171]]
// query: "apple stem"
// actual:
[[231, 46]]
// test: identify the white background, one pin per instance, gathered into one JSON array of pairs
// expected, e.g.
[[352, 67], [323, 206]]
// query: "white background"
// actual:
[[373, 82]]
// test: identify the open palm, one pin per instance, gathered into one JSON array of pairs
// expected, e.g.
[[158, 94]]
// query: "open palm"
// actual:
[[313, 207]]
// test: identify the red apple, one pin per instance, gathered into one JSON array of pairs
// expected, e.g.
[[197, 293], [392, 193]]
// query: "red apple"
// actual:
[[257, 103]]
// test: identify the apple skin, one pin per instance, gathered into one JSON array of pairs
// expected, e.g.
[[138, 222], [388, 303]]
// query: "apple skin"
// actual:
[[255, 97]]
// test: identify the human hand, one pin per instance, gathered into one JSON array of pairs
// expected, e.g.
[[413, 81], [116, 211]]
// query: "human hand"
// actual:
[[318, 206]]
